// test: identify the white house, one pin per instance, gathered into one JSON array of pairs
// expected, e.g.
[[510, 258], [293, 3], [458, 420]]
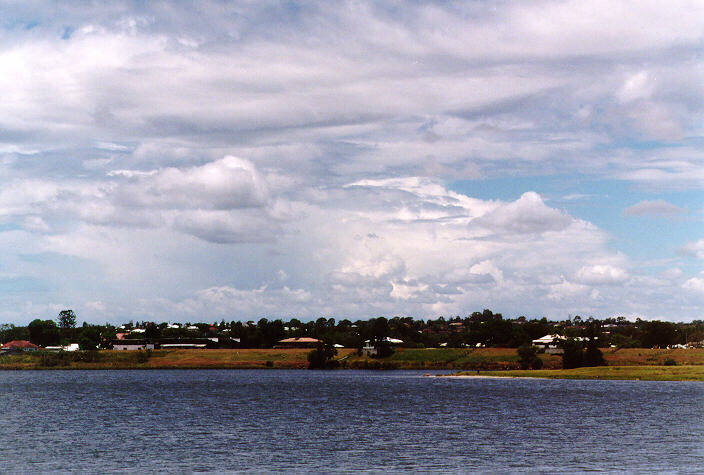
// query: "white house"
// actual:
[[548, 341], [132, 345], [71, 347]]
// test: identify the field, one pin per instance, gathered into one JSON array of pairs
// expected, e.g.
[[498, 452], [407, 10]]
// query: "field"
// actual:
[[504, 360]]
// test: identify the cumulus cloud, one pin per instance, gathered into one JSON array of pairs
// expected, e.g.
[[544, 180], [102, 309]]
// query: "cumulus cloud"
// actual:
[[695, 284], [528, 214], [601, 275]]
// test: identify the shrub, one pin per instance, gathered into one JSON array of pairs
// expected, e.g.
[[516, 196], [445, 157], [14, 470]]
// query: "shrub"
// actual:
[[143, 356], [537, 363], [670, 362], [269, 364]]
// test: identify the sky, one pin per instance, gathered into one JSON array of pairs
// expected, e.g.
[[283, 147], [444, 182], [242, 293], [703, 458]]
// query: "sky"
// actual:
[[200, 161]]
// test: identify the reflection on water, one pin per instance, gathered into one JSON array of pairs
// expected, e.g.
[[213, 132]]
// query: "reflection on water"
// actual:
[[206, 420]]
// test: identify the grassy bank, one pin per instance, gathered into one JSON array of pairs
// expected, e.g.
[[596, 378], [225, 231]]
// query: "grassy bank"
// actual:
[[484, 359], [644, 373]]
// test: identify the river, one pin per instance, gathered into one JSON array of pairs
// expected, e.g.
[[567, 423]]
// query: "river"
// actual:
[[400, 421]]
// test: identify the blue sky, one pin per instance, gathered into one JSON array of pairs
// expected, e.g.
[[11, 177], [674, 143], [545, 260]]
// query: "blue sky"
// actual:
[[209, 160]]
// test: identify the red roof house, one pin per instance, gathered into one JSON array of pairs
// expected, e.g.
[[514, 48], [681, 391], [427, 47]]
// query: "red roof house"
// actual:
[[19, 345]]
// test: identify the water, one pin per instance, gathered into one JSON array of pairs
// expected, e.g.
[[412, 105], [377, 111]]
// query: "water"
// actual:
[[183, 421]]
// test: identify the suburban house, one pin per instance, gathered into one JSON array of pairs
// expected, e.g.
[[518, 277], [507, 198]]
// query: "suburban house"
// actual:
[[548, 341], [166, 343], [303, 342], [370, 350], [71, 347], [18, 345], [132, 345]]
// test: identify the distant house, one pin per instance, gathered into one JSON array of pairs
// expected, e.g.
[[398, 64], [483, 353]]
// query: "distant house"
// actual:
[[71, 347], [369, 350], [18, 345], [548, 341], [132, 345], [303, 342], [165, 343]]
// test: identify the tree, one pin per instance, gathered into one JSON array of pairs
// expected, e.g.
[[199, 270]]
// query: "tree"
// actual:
[[657, 333], [528, 356], [90, 337], [573, 356], [322, 357], [67, 319], [593, 356], [152, 331], [43, 332]]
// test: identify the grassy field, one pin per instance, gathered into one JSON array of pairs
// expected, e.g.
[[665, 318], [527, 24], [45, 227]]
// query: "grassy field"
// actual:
[[644, 373], [484, 359]]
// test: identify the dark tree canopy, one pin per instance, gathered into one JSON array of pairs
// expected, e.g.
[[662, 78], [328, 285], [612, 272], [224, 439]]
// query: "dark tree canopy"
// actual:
[[67, 319]]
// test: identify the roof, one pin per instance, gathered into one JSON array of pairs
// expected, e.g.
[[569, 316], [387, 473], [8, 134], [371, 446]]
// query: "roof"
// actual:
[[300, 340], [19, 344], [548, 339]]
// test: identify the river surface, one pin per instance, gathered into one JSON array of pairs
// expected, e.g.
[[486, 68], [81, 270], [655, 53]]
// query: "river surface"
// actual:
[[212, 420]]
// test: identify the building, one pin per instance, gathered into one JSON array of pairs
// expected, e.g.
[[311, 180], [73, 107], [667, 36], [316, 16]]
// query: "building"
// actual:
[[131, 345], [303, 342], [18, 345], [71, 347], [370, 350]]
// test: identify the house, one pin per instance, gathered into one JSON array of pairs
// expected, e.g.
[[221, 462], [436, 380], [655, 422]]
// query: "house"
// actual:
[[369, 350], [71, 347], [18, 345], [550, 343], [303, 342], [132, 345]]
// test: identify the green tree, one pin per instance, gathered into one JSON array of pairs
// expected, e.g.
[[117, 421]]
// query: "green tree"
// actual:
[[43, 332], [657, 333], [322, 357], [573, 356], [152, 331], [593, 355], [527, 355], [67, 319]]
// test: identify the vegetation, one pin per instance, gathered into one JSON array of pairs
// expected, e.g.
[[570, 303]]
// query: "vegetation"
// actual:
[[478, 329], [323, 357]]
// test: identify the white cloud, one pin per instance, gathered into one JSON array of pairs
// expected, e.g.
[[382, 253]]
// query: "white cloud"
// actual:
[[694, 249], [601, 275], [528, 214], [695, 284], [653, 208], [167, 150]]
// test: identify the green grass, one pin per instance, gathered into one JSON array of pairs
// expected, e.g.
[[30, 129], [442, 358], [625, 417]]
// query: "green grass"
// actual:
[[645, 373]]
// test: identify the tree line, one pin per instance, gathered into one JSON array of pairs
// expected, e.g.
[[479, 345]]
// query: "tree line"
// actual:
[[484, 328]]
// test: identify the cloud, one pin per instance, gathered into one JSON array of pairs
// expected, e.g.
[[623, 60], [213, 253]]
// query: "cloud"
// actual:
[[224, 201], [601, 275], [653, 208], [695, 284], [526, 215], [193, 152], [693, 249]]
